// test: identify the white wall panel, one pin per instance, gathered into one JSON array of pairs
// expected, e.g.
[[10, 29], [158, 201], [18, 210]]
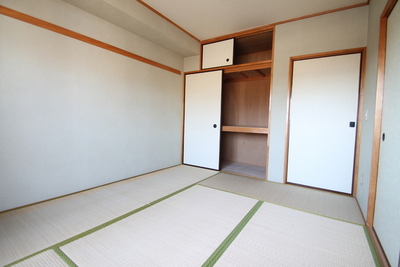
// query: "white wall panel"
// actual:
[[75, 116]]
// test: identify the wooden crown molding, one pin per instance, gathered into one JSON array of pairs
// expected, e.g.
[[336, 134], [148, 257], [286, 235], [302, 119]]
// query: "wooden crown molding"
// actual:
[[270, 27], [167, 19], [255, 30], [57, 29]]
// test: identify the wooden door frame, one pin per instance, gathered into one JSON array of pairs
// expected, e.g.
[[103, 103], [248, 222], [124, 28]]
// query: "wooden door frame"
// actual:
[[378, 111], [362, 51], [377, 130]]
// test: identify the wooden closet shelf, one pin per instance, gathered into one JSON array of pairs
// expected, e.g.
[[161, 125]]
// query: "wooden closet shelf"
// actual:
[[245, 129], [266, 64], [248, 71], [263, 68]]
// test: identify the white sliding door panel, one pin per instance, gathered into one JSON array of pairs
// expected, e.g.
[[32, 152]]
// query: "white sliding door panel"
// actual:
[[202, 119], [218, 54], [387, 205], [324, 101]]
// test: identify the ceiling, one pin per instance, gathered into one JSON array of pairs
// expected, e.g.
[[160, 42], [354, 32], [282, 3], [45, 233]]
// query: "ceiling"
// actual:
[[207, 19], [203, 19]]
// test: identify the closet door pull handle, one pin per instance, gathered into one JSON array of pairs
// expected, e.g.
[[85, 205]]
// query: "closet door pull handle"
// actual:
[[215, 126]]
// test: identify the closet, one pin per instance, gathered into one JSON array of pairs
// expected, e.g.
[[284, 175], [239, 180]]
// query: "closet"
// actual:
[[244, 63]]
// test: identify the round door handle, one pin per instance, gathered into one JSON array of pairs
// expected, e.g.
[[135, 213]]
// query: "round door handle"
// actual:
[[383, 137], [215, 126], [227, 60]]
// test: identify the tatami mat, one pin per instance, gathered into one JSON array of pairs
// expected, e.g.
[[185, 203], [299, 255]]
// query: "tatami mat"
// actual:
[[48, 258], [190, 227], [311, 200], [183, 230], [280, 236], [28, 230]]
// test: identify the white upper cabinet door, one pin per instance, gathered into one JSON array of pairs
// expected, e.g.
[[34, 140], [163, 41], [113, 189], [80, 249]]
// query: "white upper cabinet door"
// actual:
[[218, 54], [202, 119]]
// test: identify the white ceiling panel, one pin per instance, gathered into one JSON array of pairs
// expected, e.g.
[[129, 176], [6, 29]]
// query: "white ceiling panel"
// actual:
[[206, 19]]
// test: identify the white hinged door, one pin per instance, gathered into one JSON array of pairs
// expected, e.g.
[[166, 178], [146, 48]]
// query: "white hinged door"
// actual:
[[202, 119], [323, 116], [218, 54]]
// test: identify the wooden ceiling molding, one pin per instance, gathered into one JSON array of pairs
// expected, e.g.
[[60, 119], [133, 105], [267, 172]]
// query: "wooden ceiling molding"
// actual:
[[211, 24]]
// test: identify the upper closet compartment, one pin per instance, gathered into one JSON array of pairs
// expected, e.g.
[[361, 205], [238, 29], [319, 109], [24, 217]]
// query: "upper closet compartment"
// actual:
[[246, 49], [218, 54], [253, 48]]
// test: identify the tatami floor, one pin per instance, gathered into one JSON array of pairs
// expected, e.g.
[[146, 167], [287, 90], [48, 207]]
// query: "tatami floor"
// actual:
[[188, 216]]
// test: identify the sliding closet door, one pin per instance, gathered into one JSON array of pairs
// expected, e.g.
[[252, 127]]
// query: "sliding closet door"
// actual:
[[322, 131], [202, 119]]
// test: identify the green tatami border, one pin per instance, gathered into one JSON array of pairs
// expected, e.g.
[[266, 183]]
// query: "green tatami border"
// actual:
[[372, 247], [367, 235], [231, 237], [65, 258], [56, 247], [285, 206]]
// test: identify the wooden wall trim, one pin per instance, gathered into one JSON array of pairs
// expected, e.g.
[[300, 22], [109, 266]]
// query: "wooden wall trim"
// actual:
[[378, 247], [57, 29], [244, 33], [330, 53], [378, 111], [361, 50], [167, 19], [360, 121], [322, 13], [271, 88]]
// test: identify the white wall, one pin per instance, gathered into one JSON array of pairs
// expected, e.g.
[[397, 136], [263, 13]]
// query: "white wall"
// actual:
[[340, 30], [140, 20], [191, 63], [75, 116], [68, 16]]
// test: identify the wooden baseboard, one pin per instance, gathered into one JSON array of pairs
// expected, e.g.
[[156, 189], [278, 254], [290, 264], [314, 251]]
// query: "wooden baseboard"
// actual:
[[378, 247]]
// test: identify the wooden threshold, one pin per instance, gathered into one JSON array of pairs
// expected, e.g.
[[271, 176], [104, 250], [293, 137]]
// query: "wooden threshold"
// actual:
[[245, 129]]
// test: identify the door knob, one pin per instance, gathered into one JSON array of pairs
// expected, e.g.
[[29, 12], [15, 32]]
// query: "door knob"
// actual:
[[215, 126]]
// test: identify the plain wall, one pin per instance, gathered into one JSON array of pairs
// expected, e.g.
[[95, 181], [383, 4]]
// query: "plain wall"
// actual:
[[75, 116], [191, 63], [70, 17], [335, 31]]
